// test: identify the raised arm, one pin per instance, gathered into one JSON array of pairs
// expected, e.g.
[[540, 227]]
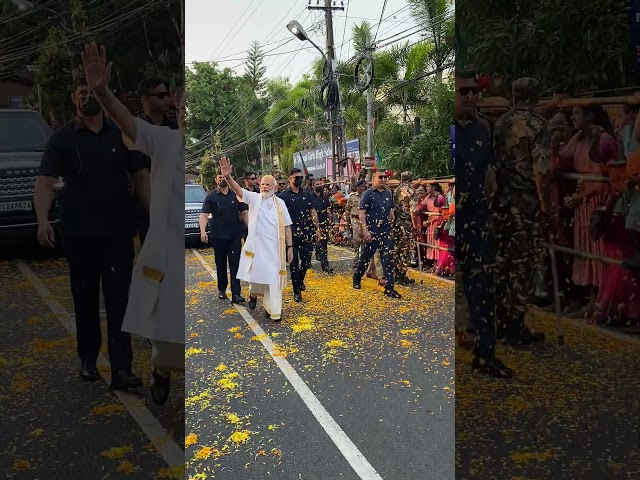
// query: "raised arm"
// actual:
[[98, 73], [225, 171]]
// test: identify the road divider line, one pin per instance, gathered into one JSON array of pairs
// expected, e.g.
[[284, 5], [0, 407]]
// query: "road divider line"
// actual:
[[348, 449], [166, 446]]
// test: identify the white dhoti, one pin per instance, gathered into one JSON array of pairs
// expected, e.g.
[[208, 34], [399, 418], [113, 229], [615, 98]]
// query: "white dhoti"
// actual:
[[272, 298], [262, 261]]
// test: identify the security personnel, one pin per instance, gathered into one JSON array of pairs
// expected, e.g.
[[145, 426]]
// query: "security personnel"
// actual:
[[352, 218], [376, 217], [474, 241], [322, 204], [305, 229], [522, 149], [228, 216], [403, 229], [97, 227]]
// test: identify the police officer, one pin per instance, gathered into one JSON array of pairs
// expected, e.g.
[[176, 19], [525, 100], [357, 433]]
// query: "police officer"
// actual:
[[474, 242], [305, 228], [322, 204], [402, 229], [522, 148], [376, 217], [226, 227], [352, 217]]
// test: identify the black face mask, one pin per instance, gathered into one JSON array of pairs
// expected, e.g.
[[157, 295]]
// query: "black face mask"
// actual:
[[319, 189], [297, 181], [223, 184], [91, 107]]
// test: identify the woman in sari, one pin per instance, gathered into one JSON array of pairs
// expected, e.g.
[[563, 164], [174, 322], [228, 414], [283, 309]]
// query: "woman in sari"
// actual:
[[446, 263], [432, 219], [589, 148]]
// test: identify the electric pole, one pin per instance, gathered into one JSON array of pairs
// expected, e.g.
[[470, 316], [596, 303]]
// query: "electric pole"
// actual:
[[370, 154], [337, 130]]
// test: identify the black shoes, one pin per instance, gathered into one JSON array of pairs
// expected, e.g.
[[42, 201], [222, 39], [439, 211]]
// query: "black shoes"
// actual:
[[222, 295], [253, 301], [327, 269], [123, 380], [237, 299], [390, 292], [356, 282], [491, 367], [88, 371], [404, 280], [303, 288], [160, 388], [297, 297]]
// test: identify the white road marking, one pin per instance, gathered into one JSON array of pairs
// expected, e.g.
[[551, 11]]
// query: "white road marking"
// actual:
[[348, 449], [155, 432]]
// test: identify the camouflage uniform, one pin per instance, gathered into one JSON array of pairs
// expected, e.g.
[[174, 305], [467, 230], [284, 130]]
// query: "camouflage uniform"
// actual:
[[402, 227], [352, 220], [522, 151]]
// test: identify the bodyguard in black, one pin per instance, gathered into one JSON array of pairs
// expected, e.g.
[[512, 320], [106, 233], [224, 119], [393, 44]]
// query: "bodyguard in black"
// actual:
[[376, 217], [225, 232], [97, 227], [322, 204], [305, 229]]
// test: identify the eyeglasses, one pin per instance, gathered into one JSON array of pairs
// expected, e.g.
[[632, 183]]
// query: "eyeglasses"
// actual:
[[464, 91]]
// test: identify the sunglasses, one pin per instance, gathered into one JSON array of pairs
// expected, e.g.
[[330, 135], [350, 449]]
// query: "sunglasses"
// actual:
[[382, 177], [464, 91], [160, 95], [253, 179]]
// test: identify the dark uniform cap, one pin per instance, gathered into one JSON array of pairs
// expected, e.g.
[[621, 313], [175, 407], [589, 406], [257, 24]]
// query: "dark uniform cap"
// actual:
[[360, 182], [406, 176], [526, 87]]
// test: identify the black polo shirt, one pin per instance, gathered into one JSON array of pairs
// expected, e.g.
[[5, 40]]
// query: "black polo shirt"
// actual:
[[95, 200], [225, 222], [321, 204], [474, 155], [300, 205], [378, 205]]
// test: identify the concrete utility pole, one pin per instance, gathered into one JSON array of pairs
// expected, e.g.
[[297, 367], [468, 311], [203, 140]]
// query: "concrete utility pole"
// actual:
[[337, 128]]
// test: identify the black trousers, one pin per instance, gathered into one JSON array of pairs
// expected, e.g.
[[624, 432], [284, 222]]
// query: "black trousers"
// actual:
[[302, 249], [322, 247], [382, 242], [227, 251], [91, 261], [476, 254]]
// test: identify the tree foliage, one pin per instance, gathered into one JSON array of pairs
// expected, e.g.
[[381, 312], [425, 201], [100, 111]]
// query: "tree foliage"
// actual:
[[568, 46], [255, 68]]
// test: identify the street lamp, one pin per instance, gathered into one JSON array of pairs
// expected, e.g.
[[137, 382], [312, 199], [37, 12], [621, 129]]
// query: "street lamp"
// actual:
[[295, 28]]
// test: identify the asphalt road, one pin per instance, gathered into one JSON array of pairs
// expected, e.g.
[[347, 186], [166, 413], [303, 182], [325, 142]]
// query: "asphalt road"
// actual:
[[53, 424], [382, 370]]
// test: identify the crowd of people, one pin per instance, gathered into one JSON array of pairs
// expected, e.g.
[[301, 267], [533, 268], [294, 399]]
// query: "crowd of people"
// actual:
[[540, 175]]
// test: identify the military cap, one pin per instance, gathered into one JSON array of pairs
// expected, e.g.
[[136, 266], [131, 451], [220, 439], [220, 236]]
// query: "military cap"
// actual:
[[406, 176], [526, 87]]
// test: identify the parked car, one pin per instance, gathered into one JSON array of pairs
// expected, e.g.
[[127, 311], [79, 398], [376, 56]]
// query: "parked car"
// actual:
[[23, 137], [194, 196]]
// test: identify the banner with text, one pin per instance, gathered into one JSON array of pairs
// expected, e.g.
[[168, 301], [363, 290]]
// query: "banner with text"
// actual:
[[318, 159]]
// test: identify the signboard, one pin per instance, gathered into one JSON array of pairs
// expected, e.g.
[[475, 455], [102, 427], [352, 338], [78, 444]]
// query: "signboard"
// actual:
[[319, 162], [15, 102]]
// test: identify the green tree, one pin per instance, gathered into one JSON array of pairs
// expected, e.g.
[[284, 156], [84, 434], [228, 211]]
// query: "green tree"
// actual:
[[254, 68]]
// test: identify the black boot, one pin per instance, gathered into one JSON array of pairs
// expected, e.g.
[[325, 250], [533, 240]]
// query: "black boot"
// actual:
[[491, 367], [89, 371], [124, 379], [160, 388], [253, 301]]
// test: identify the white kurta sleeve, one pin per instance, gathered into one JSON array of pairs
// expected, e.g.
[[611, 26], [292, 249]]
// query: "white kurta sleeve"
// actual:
[[248, 196], [285, 213], [152, 138]]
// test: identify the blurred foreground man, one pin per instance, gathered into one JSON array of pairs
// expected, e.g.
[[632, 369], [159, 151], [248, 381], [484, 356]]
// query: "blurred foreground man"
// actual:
[[158, 276], [269, 245], [474, 243], [97, 227], [403, 229]]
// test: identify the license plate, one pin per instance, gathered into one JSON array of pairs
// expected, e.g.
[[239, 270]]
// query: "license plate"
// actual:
[[22, 205], [190, 225]]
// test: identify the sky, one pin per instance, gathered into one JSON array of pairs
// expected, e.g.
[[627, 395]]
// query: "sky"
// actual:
[[223, 31]]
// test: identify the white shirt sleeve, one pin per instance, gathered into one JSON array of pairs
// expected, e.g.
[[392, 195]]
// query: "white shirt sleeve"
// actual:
[[285, 213], [153, 138], [247, 196]]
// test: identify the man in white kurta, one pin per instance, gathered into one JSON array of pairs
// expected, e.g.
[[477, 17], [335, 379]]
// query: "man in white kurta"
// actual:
[[268, 245]]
